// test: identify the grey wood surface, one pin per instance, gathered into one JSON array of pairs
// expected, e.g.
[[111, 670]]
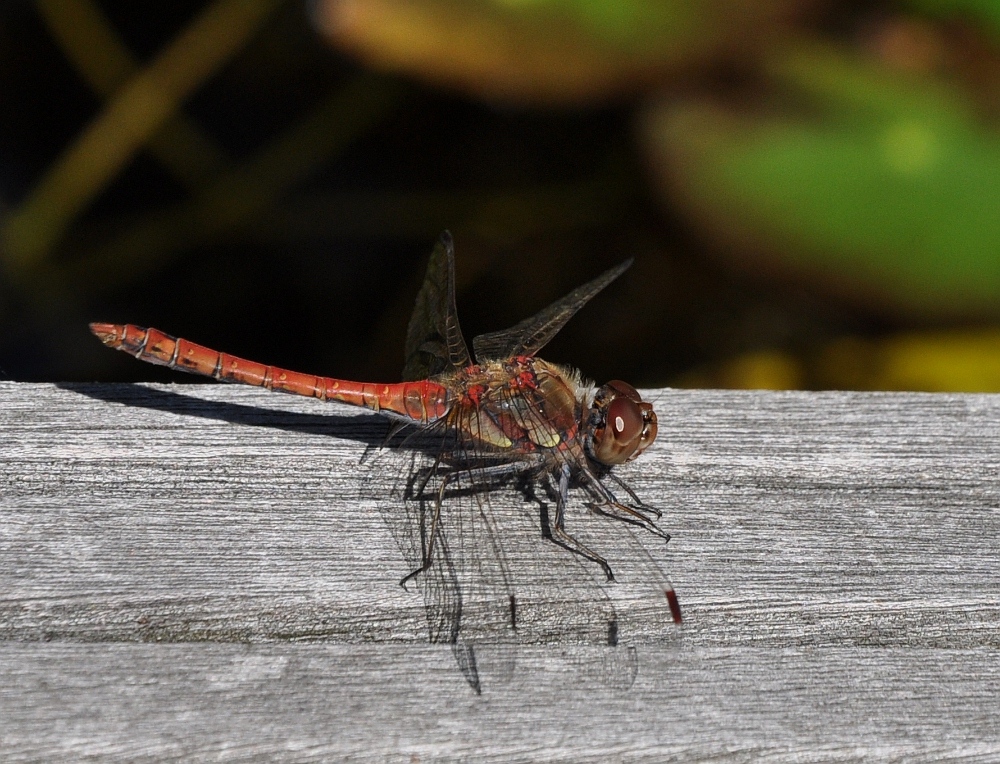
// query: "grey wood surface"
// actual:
[[209, 572]]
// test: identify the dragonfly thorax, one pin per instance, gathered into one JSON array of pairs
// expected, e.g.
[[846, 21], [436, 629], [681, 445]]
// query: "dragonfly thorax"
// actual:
[[522, 405]]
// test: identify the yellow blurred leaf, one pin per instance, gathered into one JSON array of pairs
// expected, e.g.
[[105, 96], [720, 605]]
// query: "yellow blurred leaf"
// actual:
[[545, 51], [956, 361], [762, 370], [946, 361]]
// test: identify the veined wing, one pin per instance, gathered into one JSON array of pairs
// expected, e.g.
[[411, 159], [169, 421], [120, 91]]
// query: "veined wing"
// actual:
[[434, 342], [564, 600], [494, 582], [532, 334], [467, 590]]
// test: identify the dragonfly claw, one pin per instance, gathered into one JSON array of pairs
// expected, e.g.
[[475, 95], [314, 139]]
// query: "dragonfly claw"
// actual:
[[409, 577]]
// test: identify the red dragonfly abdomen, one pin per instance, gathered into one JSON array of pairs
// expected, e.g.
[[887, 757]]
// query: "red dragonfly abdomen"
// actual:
[[423, 401]]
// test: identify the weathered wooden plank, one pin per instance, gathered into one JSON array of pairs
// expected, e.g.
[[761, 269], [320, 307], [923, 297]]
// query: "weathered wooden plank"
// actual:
[[343, 702], [836, 551]]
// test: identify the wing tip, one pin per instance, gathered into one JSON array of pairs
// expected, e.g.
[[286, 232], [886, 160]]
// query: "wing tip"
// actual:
[[623, 266], [675, 606]]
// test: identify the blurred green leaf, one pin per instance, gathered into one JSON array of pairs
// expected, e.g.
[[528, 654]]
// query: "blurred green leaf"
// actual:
[[888, 188], [988, 10], [850, 91]]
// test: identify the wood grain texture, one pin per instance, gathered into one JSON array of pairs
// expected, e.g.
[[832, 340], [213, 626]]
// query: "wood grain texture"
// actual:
[[204, 571]]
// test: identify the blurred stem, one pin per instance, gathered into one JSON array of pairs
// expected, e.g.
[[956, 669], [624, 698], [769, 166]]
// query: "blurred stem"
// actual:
[[242, 204], [134, 114], [236, 197], [506, 215], [90, 43]]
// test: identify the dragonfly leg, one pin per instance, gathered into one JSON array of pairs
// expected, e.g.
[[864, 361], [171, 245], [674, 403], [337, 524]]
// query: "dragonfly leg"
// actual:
[[558, 534], [629, 515], [427, 550], [637, 503], [427, 477], [504, 470]]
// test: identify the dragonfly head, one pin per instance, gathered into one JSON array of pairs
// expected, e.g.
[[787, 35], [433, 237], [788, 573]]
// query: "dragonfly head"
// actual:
[[621, 425]]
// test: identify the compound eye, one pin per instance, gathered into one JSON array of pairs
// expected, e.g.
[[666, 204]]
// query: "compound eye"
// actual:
[[622, 432], [624, 420]]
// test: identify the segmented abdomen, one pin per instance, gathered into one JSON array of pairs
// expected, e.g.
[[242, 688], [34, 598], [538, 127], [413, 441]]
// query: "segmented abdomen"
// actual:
[[423, 401]]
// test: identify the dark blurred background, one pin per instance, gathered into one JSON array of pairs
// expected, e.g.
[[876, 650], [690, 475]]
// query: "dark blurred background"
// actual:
[[810, 189]]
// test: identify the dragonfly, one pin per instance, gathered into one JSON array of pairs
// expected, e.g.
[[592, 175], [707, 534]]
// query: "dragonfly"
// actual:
[[497, 414]]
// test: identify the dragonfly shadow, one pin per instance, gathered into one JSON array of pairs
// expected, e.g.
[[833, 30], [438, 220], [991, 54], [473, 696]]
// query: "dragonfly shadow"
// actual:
[[367, 429]]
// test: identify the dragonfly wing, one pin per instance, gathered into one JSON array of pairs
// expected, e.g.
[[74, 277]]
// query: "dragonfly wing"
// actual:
[[434, 342], [532, 334], [494, 581], [468, 599]]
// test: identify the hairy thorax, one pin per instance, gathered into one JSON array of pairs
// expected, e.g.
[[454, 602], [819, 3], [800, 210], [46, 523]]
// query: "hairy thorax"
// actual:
[[522, 405]]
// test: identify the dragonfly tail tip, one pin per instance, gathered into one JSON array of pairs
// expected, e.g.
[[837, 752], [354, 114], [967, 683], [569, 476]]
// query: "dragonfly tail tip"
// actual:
[[104, 332]]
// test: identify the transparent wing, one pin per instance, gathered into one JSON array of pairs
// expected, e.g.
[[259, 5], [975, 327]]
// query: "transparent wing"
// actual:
[[467, 593], [532, 334], [434, 340], [499, 510]]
